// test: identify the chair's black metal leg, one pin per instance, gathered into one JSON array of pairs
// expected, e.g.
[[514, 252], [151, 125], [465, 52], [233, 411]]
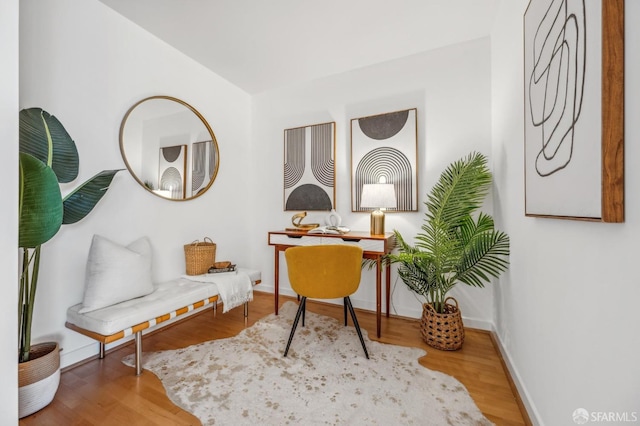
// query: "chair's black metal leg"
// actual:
[[344, 305], [304, 308], [295, 324], [347, 301]]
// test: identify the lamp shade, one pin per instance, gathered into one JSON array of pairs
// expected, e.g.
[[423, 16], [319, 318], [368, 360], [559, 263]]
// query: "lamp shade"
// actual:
[[378, 195]]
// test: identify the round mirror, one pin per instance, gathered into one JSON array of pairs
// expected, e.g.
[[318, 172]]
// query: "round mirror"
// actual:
[[169, 148]]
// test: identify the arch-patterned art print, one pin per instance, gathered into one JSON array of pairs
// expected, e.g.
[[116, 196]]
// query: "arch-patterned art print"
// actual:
[[173, 164], [309, 167], [203, 165], [574, 109], [384, 150]]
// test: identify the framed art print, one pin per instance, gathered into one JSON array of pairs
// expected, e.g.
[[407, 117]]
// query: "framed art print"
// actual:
[[384, 150], [203, 165], [173, 164], [309, 167], [574, 109]]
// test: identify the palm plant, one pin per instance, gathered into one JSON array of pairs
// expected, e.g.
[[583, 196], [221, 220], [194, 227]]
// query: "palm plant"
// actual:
[[48, 156], [453, 245]]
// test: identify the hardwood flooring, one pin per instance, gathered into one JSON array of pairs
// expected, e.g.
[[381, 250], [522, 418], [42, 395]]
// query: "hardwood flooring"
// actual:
[[106, 392]]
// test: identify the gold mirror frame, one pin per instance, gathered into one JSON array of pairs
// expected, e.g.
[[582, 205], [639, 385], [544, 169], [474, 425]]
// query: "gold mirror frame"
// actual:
[[181, 151]]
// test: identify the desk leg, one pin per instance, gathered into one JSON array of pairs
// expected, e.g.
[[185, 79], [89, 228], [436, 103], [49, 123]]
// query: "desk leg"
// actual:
[[378, 293], [388, 278], [276, 282]]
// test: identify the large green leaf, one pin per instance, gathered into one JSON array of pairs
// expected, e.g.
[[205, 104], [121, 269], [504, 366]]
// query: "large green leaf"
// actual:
[[83, 199], [485, 254], [40, 204], [44, 137], [460, 190]]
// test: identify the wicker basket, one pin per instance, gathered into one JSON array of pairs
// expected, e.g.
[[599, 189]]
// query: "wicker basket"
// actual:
[[442, 331], [200, 256]]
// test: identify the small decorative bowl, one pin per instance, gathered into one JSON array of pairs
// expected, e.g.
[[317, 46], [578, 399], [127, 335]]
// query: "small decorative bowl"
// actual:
[[221, 265]]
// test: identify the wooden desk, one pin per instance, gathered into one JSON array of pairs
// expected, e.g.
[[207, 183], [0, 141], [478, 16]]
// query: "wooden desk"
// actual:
[[373, 246]]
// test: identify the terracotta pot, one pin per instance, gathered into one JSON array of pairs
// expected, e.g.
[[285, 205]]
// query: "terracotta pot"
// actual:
[[445, 330], [38, 378]]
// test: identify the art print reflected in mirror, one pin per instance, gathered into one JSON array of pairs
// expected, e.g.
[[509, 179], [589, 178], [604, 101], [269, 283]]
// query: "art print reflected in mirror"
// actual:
[[169, 148]]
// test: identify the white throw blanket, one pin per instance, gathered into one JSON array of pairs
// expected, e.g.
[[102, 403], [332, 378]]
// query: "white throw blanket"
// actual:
[[235, 287]]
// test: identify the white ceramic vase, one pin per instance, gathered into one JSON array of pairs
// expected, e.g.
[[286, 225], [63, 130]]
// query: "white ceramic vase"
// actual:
[[333, 218]]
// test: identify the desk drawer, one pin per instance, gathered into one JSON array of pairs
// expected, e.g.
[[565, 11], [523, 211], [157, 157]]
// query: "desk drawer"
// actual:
[[286, 240], [366, 244]]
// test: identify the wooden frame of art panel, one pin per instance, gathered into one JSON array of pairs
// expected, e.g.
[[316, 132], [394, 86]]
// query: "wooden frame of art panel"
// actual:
[[384, 149], [309, 167], [574, 109]]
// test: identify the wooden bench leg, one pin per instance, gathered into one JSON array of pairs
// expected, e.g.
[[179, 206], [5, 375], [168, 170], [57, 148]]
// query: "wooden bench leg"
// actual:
[[101, 352], [138, 353]]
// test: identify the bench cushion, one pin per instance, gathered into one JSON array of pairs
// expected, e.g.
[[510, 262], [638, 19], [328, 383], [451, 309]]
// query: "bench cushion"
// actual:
[[254, 275], [166, 297]]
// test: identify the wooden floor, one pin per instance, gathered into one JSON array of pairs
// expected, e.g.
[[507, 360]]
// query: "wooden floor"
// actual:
[[106, 392]]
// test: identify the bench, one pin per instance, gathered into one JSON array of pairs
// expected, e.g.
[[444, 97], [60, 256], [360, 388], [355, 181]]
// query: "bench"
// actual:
[[169, 300]]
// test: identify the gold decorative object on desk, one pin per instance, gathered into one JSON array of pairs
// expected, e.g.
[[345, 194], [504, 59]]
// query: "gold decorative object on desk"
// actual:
[[296, 220]]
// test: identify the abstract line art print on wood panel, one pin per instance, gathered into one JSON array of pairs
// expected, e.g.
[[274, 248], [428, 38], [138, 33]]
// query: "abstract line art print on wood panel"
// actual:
[[203, 166], [574, 109], [384, 150], [309, 167]]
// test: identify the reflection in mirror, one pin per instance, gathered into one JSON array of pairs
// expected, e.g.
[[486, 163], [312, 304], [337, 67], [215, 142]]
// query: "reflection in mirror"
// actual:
[[169, 148]]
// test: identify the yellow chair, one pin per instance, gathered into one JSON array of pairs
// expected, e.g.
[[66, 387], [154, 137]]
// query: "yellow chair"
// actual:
[[325, 272]]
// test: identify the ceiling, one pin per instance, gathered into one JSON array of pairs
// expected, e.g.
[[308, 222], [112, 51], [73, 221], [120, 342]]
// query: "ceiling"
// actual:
[[260, 45]]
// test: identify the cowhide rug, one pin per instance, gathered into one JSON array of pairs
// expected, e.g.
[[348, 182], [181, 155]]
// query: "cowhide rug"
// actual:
[[325, 379]]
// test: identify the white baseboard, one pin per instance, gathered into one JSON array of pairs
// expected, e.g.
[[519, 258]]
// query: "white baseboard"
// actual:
[[68, 358], [404, 312], [517, 380], [477, 324]]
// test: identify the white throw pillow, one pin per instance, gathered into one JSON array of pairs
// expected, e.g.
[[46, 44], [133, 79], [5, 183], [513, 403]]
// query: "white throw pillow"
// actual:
[[116, 273]]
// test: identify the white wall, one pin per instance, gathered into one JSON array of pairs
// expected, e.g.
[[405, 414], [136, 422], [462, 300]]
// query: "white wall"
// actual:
[[9, 211], [84, 63], [450, 87], [567, 311]]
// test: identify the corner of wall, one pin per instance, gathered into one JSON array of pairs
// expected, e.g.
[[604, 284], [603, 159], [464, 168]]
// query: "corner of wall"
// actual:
[[9, 107]]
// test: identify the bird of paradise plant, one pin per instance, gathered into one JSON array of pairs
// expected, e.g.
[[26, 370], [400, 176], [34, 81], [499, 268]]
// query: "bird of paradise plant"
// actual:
[[48, 157]]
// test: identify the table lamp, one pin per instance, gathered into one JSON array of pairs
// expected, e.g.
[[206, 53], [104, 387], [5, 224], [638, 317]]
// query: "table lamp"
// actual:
[[378, 196]]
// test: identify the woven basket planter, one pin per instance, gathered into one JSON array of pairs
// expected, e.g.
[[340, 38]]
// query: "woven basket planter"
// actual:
[[443, 331], [38, 378]]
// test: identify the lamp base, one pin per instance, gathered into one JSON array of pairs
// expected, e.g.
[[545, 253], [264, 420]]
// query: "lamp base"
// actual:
[[377, 222]]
